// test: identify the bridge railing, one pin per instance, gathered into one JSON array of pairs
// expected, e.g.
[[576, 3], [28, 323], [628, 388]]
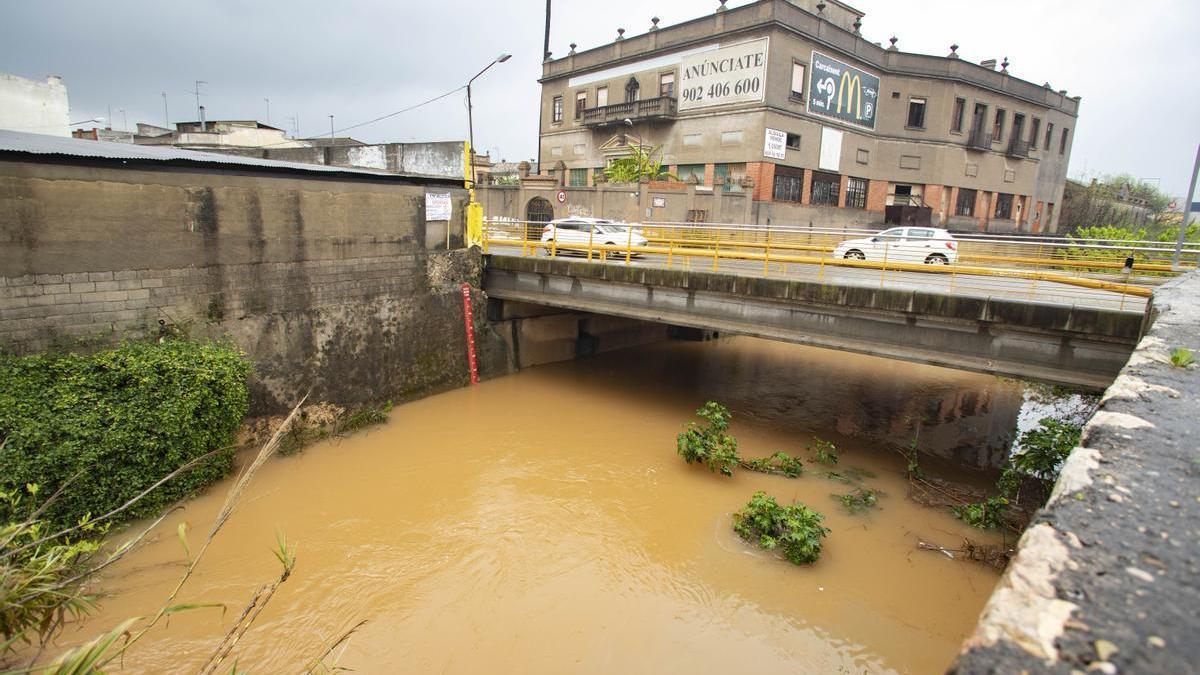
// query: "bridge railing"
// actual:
[[1095, 272]]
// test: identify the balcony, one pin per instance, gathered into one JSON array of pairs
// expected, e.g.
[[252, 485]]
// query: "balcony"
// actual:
[[1017, 148], [978, 140], [659, 108]]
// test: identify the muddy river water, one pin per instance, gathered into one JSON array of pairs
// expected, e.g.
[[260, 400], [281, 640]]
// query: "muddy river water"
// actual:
[[543, 523]]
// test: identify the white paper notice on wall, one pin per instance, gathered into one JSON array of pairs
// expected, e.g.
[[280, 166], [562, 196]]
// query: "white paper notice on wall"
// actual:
[[775, 144], [831, 149], [437, 206]]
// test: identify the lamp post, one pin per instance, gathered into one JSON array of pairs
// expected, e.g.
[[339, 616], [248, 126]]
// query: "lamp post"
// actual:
[[474, 210]]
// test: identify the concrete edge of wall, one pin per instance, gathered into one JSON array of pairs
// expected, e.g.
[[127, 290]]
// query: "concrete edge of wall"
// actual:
[[1107, 577], [1121, 326]]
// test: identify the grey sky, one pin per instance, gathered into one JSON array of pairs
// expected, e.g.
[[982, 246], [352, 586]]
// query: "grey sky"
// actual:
[[1134, 64]]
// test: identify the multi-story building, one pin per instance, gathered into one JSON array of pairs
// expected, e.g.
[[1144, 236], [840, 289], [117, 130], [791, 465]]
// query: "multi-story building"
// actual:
[[787, 100]]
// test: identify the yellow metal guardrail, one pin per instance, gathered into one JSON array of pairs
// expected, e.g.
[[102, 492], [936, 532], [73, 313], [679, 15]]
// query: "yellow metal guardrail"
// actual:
[[1042, 260]]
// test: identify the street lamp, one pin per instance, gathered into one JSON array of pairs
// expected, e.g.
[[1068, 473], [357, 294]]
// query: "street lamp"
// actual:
[[471, 120], [474, 231]]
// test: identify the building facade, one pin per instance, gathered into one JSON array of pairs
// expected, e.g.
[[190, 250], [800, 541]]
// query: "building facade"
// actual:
[[786, 100], [34, 107]]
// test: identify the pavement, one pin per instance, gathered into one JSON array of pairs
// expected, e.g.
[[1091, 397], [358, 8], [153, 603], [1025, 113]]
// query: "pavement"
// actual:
[[950, 284]]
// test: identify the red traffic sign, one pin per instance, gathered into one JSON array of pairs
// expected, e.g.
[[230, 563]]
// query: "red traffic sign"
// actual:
[[562, 196]]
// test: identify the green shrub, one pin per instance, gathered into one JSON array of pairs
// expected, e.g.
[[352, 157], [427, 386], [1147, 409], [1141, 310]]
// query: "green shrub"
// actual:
[[826, 452], [795, 530], [1181, 357], [859, 500], [780, 463], [116, 422], [985, 515], [708, 443]]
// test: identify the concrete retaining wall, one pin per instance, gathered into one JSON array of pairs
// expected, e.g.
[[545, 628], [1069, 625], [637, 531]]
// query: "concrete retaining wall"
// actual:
[[338, 285], [1107, 577]]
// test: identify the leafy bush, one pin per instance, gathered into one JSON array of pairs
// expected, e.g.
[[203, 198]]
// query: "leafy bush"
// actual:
[[1044, 449], [826, 452], [985, 515], [795, 530], [113, 423], [709, 443]]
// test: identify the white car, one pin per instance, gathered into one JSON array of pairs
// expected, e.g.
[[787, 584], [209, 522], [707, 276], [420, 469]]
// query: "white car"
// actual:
[[573, 234], [928, 245]]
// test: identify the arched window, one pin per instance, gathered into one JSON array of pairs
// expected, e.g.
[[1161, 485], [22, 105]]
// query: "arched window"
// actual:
[[631, 90]]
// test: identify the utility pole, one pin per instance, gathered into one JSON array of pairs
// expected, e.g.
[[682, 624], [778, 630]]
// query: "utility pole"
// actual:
[[268, 109], [203, 126], [166, 115], [331, 130], [295, 125], [545, 56], [1187, 211]]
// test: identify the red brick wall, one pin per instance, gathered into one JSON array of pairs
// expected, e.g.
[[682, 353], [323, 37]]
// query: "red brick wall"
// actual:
[[806, 188], [877, 195], [709, 174], [981, 203], [842, 192], [933, 197], [1037, 217], [763, 174]]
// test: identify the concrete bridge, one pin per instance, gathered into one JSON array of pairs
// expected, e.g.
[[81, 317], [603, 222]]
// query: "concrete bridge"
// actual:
[[1049, 342]]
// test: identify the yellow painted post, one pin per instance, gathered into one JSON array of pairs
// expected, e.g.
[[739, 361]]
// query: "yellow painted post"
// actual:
[[716, 253], [628, 244], [670, 250], [591, 235], [820, 271], [553, 241], [883, 270], [767, 256]]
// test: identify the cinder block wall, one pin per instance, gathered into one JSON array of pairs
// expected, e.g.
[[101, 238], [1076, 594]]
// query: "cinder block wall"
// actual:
[[338, 285]]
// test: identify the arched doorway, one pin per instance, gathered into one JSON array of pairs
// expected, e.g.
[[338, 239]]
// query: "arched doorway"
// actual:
[[537, 211]]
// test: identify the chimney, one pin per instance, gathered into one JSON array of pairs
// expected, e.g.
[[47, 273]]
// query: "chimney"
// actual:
[[203, 125]]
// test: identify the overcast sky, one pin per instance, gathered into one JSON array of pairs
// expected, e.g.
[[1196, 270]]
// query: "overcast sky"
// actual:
[[1134, 63]]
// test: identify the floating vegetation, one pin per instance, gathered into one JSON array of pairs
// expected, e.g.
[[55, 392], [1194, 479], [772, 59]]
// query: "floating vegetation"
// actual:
[[709, 444], [795, 530], [826, 452], [993, 556], [859, 500]]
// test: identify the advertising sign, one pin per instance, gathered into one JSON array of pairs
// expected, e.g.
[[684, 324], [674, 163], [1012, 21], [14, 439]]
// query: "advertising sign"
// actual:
[[775, 144], [437, 206], [733, 74], [842, 92]]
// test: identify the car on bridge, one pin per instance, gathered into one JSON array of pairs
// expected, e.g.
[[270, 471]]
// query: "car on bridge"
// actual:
[[572, 235], [929, 245]]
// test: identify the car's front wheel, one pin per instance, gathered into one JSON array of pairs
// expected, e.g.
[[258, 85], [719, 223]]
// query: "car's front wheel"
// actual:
[[854, 254], [937, 259]]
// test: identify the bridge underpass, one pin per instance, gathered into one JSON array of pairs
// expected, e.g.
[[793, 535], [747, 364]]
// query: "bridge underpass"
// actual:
[[1045, 341]]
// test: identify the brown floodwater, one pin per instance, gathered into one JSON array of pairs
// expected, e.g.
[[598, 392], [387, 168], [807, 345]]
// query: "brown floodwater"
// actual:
[[543, 523]]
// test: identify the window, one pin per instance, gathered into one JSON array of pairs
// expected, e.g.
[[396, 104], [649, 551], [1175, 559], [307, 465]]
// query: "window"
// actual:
[[916, 113], [998, 127], [1049, 134], [558, 109], [601, 97], [697, 216], [632, 87], [580, 104], [578, 177], [919, 233], [731, 174], [856, 193], [1035, 129], [798, 81], [687, 172], [788, 184], [956, 119], [666, 84], [965, 206], [1004, 203], [1062, 145], [793, 141], [825, 188], [731, 137], [1018, 128]]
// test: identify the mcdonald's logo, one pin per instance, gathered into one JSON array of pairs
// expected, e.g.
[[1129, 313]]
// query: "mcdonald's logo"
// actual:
[[851, 86]]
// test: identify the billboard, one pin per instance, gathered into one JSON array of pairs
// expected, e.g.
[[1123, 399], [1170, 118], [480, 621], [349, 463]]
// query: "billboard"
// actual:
[[775, 144], [733, 74], [842, 92]]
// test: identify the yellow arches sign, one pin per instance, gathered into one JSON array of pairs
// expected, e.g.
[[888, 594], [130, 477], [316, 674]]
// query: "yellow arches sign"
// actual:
[[842, 92]]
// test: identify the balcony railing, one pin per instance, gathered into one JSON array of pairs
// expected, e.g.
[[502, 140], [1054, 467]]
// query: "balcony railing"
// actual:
[[1017, 148], [978, 140], [663, 107]]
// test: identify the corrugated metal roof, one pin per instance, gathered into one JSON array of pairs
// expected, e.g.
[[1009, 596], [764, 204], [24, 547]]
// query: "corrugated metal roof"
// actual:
[[41, 144]]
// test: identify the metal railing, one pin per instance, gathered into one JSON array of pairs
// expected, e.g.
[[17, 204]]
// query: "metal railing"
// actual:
[[648, 108], [1090, 273], [1017, 148], [979, 140]]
